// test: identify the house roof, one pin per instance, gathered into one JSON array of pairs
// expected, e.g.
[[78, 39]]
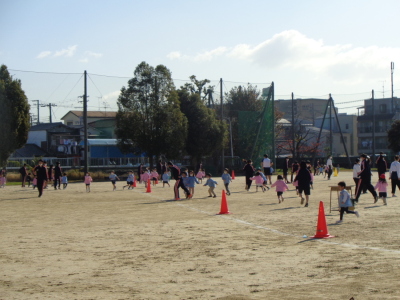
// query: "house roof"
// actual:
[[29, 150], [100, 142], [93, 114], [47, 126]]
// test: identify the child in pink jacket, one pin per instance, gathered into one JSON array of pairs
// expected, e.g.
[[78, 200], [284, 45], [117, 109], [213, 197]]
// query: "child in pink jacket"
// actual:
[[87, 181], [381, 187], [259, 181], [281, 187]]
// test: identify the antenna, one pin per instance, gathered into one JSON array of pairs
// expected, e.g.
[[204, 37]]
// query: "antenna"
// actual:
[[383, 88]]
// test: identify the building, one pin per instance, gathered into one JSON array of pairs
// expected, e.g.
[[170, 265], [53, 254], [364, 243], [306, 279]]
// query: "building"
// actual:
[[348, 126], [75, 117], [374, 120], [305, 110]]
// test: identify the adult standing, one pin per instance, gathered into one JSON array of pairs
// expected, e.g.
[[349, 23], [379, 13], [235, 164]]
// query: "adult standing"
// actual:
[[304, 179], [266, 164], [285, 169], [381, 164], [159, 169], [176, 174], [394, 173], [248, 173], [41, 176], [23, 173], [57, 176], [329, 165], [365, 179]]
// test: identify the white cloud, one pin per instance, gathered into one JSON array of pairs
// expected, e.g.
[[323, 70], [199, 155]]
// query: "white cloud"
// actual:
[[70, 51], [84, 60], [174, 55], [112, 96], [293, 50], [93, 54], [43, 54]]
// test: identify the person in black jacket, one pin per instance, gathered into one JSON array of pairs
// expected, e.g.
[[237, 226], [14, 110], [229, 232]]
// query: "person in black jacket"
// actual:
[[285, 169], [176, 174], [365, 179], [248, 173], [41, 175], [381, 164], [303, 179], [23, 173], [57, 176]]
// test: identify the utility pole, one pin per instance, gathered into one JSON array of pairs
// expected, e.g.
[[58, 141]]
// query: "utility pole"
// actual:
[[373, 128], [391, 72], [37, 106], [85, 131], [222, 119], [49, 105]]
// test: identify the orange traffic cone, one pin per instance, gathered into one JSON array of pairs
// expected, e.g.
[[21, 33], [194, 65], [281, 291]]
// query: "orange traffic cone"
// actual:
[[134, 182], [322, 228], [224, 205], [148, 186], [156, 181], [233, 174]]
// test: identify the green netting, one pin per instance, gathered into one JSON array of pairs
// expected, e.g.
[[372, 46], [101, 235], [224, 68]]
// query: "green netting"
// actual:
[[257, 129]]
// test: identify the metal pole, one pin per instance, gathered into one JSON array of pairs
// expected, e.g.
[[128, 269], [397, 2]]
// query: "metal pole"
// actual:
[[391, 71], [373, 128], [85, 132], [222, 118], [50, 113]]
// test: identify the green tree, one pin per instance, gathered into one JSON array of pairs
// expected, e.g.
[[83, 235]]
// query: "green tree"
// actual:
[[206, 133], [393, 136], [149, 117], [14, 115], [243, 99]]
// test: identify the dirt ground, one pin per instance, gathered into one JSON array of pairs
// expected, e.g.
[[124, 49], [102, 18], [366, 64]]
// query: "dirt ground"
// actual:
[[130, 244]]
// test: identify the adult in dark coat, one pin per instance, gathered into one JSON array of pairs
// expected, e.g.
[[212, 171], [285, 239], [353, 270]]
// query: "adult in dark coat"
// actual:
[[303, 179], [248, 173], [285, 169], [23, 173], [159, 169], [381, 164], [57, 176], [365, 179], [41, 175]]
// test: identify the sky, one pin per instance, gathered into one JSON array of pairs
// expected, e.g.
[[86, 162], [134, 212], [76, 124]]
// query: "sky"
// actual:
[[310, 48]]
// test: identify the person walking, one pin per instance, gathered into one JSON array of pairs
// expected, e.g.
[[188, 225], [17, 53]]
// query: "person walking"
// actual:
[[57, 176], [285, 170], [176, 174], [394, 173], [248, 173], [329, 165], [267, 164], [304, 179], [365, 179], [41, 176], [381, 164], [23, 173]]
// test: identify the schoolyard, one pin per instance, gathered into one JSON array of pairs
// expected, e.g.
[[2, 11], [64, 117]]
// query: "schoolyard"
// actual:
[[130, 244]]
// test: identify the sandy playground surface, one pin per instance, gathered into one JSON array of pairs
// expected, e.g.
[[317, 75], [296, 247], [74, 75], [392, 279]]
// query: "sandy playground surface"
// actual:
[[129, 244]]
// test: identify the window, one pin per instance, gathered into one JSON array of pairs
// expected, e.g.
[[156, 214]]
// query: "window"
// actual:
[[382, 108], [69, 123], [347, 126]]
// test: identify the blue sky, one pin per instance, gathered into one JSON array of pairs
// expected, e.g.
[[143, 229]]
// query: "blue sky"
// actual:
[[311, 48]]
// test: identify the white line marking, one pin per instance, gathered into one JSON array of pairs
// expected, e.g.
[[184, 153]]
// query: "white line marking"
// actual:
[[277, 231]]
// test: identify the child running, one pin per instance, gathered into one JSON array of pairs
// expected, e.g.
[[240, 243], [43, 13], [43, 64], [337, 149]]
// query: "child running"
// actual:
[[281, 187], [381, 187], [211, 185], [345, 201], [191, 182], [113, 177], [154, 176], [303, 179], [129, 181], [200, 174], [226, 177], [165, 178], [2, 181], [64, 181], [87, 181], [259, 181]]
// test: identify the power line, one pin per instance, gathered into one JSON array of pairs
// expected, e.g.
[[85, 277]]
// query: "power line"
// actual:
[[39, 72]]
